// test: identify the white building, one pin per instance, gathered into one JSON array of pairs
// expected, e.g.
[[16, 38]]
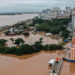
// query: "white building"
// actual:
[[56, 13]]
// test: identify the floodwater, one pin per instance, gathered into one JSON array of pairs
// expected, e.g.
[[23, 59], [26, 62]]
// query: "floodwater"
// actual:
[[31, 39], [33, 64], [12, 19]]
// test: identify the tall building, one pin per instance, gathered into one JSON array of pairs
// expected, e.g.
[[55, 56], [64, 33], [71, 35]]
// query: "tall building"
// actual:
[[46, 14], [68, 9], [73, 39], [73, 18], [55, 13]]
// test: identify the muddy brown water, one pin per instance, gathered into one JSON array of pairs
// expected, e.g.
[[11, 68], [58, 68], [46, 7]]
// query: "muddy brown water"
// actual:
[[33, 64], [31, 39], [12, 19]]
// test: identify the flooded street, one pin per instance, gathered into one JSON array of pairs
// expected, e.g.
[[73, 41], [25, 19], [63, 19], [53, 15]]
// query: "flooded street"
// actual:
[[33, 64], [30, 39]]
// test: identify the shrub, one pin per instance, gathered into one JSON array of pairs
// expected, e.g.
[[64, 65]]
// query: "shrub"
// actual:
[[7, 33], [13, 50], [19, 41], [29, 49], [53, 47], [65, 34], [24, 49], [3, 42], [37, 46], [26, 34], [4, 50]]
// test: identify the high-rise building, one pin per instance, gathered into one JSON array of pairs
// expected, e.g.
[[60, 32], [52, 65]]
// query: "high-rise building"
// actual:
[[68, 9], [73, 39], [56, 13]]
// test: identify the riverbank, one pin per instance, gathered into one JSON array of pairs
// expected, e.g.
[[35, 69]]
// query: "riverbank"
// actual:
[[34, 64]]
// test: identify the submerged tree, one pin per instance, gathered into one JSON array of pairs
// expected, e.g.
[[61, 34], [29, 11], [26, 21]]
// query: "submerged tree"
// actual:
[[12, 39], [65, 34], [19, 41], [2, 42], [40, 40]]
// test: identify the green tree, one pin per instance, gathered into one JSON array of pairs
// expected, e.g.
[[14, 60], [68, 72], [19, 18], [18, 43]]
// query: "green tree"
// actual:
[[7, 33], [65, 34], [41, 40], [37, 46], [3, 42], [24, 49], [19, 41], [26, 34], [12, 39]]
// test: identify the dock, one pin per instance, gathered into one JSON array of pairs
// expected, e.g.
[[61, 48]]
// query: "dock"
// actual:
[[55, 69]]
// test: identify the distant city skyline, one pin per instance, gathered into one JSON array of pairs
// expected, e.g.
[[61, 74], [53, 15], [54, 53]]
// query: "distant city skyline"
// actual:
[[33, 5]]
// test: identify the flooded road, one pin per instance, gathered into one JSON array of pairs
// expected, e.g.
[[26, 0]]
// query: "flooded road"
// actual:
[[31, 39], [34, 64]]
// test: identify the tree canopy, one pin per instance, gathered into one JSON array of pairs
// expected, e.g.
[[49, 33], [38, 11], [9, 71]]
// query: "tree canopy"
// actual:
[[19, 41]]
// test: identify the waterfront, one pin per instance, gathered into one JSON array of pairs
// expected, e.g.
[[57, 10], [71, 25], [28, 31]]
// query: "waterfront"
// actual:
[[33, 64], [12, 19]]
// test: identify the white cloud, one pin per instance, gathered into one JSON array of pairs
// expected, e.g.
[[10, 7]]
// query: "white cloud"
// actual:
[[37, 5]]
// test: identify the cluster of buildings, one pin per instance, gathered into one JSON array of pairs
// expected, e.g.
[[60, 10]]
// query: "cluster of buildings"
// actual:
[[16, 31], [56, 12], [73, 39]]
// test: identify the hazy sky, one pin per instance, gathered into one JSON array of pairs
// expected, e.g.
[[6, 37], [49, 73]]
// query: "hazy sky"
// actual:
[[32, 5]]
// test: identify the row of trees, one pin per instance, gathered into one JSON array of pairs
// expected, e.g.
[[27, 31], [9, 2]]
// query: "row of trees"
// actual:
[[27, 49], [56, 21]]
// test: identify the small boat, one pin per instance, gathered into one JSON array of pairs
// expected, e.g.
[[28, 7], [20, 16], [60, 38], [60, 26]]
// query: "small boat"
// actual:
[[51, 62], [69, 60], [56, 66]]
